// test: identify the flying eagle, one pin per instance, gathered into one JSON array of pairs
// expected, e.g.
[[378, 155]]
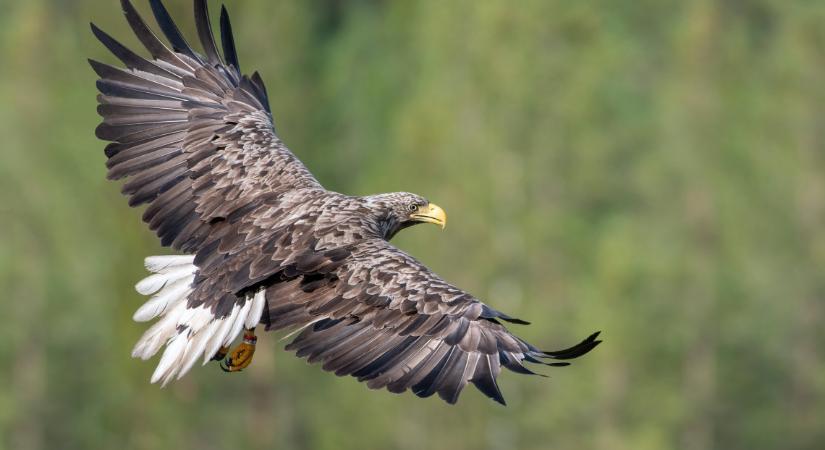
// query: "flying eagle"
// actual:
[[263, 243]]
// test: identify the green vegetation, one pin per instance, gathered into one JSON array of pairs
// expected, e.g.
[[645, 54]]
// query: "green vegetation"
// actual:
[[653, 169]]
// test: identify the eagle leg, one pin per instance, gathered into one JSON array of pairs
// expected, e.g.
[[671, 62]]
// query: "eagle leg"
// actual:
[[241, 356]]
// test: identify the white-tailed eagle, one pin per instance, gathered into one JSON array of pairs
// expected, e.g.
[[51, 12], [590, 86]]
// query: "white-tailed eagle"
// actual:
[[263, 243]]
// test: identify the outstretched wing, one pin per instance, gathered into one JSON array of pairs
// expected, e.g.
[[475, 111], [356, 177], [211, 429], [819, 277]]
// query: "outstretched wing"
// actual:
[[193, 136], [384, 318]]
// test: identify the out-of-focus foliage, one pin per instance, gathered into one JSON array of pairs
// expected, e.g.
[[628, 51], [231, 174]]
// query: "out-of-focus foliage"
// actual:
[[653, 169]]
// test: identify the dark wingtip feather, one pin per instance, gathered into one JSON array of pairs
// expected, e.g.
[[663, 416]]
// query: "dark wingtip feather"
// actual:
[[493, 314], [514, 320], [428, 386], [101, 132], [146, 36], [485, 380], [171, 31], [101, 35], [577, 350], [490, 389], [204, 27], [258, 82], [530, 358], [131, 59], [99, 67], [110, 43], [511, 362], [228, 40], [110, 150]]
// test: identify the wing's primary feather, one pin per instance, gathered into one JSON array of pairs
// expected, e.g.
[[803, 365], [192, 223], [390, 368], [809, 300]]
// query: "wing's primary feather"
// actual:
[[156, 48], [131, 59], [205, 32], [228, 40], [171, 31]]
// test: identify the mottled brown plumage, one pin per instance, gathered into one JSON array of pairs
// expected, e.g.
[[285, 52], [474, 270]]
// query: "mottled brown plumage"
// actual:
[[195, 141]]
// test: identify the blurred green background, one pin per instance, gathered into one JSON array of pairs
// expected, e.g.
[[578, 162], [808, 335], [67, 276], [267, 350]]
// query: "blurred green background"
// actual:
[[652, 169]]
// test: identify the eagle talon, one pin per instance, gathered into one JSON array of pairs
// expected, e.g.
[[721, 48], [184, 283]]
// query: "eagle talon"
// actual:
[[224, 365], [241, 357], [220, 354]]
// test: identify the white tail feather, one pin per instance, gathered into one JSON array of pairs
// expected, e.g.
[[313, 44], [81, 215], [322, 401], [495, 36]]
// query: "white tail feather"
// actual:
[[214, 342], [157, 281], [159, 264], [166, 299], [256, 310], [196, 347], [166, 366], [187, 332], [158, 334], [237, 324]]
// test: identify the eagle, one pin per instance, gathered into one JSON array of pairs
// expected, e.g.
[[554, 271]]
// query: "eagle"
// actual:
[[260, 242]]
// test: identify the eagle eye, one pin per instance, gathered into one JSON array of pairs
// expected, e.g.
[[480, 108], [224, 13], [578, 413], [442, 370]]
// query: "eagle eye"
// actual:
[[413, 207]]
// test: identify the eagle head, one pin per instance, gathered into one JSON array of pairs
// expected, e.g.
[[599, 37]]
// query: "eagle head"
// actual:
[[400, 210]]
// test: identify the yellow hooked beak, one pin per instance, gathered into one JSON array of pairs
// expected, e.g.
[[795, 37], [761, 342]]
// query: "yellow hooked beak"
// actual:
[[431, 213]]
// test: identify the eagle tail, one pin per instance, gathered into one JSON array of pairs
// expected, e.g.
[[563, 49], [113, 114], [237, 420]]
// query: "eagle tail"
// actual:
[[189, 332]]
